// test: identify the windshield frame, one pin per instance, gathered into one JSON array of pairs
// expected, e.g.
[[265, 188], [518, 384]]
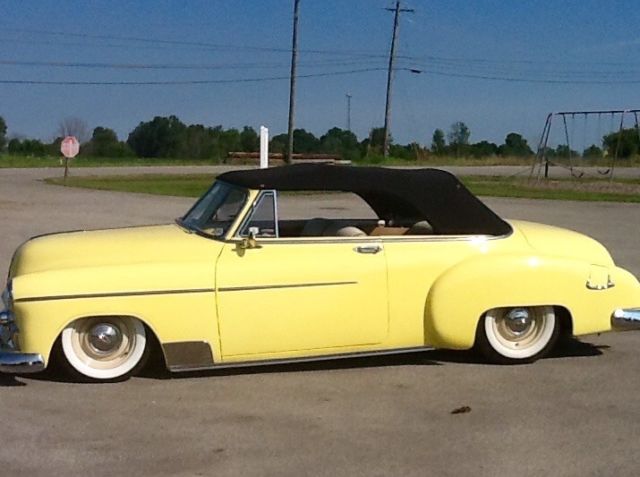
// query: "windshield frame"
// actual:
[[193, 228]]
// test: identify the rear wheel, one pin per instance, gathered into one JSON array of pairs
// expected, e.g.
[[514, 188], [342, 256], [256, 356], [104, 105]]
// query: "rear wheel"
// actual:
[[517, 334], [109, 348]]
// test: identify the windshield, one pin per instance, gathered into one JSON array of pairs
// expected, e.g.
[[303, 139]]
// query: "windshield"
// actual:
[[216, 211]]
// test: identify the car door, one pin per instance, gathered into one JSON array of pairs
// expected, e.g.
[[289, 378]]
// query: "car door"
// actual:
[[299, 297]]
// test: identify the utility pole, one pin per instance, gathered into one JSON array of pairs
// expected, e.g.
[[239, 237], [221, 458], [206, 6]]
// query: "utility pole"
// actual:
[[348, 112], [292, 86], [392, 56]]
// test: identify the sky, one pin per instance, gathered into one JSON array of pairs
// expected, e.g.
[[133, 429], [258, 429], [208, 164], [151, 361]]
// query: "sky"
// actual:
[[497, 65]]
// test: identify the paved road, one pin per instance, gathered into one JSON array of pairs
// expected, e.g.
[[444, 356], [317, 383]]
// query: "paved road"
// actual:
[[577, 413]]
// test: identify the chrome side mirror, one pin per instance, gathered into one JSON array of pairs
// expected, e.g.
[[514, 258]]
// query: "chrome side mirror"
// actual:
[[250, 241]]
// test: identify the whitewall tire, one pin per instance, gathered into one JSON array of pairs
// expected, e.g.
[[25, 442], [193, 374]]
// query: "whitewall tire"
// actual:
[[517, 334], [108, 348]]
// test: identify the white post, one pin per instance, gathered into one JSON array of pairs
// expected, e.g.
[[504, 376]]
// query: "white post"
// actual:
[[264, 147]]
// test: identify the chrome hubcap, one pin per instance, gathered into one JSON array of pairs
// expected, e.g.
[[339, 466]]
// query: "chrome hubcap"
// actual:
[[105, 338], [520, 327], [519, 332], [518, 321]]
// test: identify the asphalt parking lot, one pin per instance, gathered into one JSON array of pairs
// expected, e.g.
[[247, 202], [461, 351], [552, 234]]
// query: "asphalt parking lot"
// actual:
[[576, 413]]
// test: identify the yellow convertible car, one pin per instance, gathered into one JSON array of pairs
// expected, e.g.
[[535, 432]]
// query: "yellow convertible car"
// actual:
[[308, 262]]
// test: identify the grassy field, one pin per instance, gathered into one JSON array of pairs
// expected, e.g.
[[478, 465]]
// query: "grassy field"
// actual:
[[433, 161], [561, 189], [181, 185], [49, 161], [194, 185], [32, 162]]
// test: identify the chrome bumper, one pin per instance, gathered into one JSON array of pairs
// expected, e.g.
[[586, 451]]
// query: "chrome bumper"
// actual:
[[18, 363], [624, 319], [11, 359]]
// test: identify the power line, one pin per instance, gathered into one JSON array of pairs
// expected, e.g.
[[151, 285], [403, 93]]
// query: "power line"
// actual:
[[176, 66], [516, 61], [519, 70], [427, 71], [578, 77], [197, 44], [187, 82], [235, 47], [528, 80], [481, 72], [539, 72]]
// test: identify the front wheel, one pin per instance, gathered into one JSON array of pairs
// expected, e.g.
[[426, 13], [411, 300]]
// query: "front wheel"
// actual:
[[109, 348], [517, 334]]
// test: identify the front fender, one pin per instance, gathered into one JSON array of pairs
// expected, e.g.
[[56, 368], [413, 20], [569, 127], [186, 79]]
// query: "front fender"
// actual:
[[175, 300], [462, 294]]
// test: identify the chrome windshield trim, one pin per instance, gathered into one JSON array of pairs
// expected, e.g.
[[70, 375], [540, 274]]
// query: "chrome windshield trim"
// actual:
[[113, 294], [184, 223], [252, 208], [275, 212], [288, 285], [195, 230]]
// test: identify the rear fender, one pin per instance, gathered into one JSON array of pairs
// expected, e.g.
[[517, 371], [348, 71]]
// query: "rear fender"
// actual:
[[462, 294]]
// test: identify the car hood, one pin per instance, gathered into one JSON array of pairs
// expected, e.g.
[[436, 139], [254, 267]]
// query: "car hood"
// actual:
[[109, 248], [134, 260], [559, 242]]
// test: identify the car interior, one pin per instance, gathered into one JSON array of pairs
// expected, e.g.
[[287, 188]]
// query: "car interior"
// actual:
[[329, 221], [323, 227]]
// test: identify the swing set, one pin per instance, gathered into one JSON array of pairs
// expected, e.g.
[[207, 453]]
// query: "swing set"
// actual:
[[561, 129]]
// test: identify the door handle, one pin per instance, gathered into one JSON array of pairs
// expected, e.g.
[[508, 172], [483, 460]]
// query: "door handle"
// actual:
[[373, 249]]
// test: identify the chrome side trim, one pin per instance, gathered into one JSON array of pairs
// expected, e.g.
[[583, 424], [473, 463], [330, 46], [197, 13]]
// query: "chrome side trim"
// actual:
[[624, 319], [291, 285], [372, 238], [16, 362], [113, 294], [309, 359]]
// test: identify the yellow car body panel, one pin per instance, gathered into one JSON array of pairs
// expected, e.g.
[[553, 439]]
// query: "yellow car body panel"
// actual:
[[411, 278], [159, 274], [521, 280], [301, 298], [292, 298], [172, 318]]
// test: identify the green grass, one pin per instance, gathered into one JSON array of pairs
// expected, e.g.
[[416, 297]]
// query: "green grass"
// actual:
[[195, 185], [181, 185], [432, 161], [565, 189], [79, 162]]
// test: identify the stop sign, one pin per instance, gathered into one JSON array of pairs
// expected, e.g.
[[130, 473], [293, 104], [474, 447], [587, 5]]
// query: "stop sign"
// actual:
[[70, 147]]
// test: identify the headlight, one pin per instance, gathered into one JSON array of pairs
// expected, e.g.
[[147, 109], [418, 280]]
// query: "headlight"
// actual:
[[7, 296]]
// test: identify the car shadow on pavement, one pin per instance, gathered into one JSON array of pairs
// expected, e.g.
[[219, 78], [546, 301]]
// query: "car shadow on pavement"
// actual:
[[566, 348], [569, 348], [423, 358], [8, 381], [51, 374], [574, 348]]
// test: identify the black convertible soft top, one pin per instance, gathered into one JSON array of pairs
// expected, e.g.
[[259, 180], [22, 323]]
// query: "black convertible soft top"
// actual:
[[399, 194]]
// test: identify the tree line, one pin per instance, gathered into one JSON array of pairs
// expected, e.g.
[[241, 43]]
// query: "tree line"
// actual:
[[169, 137]]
